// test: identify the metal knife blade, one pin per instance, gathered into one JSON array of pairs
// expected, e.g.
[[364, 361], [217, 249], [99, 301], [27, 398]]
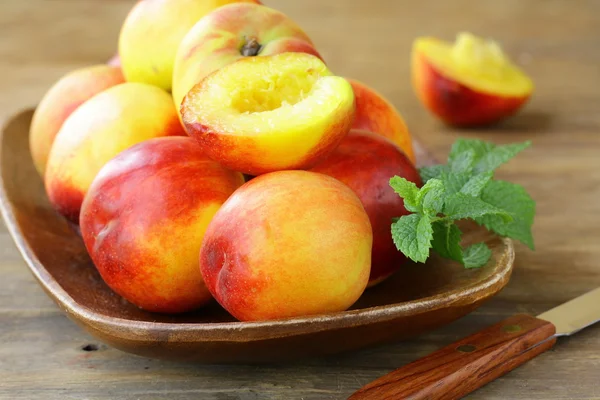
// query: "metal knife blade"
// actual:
[[574, 315]]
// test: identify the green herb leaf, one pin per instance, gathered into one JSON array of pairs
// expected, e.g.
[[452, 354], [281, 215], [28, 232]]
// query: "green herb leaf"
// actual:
[[476, 255], [475, 185], [460, 206], [463, 162], [513, 199], [412, 235], [462, 189], [446, 240], [431, 197], [433, 171], [498, 156], [407, 190], [486, 156]]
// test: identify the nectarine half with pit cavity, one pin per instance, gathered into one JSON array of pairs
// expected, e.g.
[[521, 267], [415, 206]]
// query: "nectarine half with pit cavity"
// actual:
[[230, 33], [144, 217], [98, 130], [377, 114], [263, 114], [468, 83], [288, 244], [365, 162], [68, 93]]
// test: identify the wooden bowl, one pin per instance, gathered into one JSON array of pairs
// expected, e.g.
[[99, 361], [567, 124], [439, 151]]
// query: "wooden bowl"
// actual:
[[416, 299]]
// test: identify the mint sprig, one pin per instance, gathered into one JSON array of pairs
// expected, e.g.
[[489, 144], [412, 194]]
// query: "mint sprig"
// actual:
[[464, 188]]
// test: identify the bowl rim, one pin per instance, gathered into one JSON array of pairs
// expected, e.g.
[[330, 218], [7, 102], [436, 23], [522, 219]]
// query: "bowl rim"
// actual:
[[239, 331]]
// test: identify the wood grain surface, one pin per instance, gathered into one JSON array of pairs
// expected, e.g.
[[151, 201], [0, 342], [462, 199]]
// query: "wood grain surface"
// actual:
[[42, 353]]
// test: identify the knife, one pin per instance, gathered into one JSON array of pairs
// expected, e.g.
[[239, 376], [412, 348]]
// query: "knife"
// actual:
[[466, 365]]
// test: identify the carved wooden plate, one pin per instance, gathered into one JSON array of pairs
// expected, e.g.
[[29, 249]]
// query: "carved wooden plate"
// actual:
[[416, 299]]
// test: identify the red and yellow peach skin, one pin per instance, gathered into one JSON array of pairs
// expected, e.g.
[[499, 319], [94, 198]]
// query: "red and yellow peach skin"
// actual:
[[229, 33], [376, 114], [365, 162], [68, 93], [152, 32], [287, 244], [144, 218], [468, 83], [264, 114], [98, 130]]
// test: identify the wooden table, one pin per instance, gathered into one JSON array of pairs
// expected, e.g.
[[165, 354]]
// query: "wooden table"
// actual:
[[42, 353]]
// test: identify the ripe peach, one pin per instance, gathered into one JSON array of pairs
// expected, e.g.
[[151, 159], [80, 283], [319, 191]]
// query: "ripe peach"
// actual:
[[263, 114], [376, 114], [152, 32], [365, 162], [286, 244], [60, 101], [468, 83], [98, 130], [229, 33], [144, 217]]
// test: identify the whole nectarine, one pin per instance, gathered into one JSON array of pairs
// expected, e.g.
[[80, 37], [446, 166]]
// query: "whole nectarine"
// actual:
[[365, 162], [287, 244], [98, 130], [144, 217], [60, 101], [152, 32], [229, 33]]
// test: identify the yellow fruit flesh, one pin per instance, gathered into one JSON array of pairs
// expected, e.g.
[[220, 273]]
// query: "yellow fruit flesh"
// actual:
[[279, 96], [476, 63]]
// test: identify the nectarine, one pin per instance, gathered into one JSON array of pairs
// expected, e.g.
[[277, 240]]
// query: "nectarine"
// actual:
[[468, 83], [263, 114], [286, 244], [144, 217], [365, 162], [60, 101], [376, 114], [98, 130], [152, 32], [229, 33]]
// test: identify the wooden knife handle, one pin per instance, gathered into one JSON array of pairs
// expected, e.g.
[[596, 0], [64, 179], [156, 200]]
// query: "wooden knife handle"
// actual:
[[462, 367]]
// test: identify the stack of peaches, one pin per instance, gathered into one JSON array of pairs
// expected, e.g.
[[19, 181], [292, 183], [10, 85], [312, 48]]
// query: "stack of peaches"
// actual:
[[217, 157]]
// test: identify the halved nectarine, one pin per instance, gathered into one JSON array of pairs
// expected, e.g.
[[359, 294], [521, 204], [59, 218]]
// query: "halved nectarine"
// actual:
[[468, 83], [263, 114]]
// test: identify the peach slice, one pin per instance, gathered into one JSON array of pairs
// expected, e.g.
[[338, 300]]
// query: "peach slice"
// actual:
[[263, 114], [468, 83]]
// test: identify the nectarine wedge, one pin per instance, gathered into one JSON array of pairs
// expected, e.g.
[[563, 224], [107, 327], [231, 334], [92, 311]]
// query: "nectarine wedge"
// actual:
[[263, 114], [468, 83]]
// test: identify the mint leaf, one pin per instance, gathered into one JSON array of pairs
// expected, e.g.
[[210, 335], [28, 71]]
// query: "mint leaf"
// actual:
[[463, 162], [513, 199], [486, 156], [412, 235], [478, 147], [475, 185], [498, 156], [431, 197], [407, 190], [460, 206], [476, 255], [446, 240], [432, 171], [454, 182]]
